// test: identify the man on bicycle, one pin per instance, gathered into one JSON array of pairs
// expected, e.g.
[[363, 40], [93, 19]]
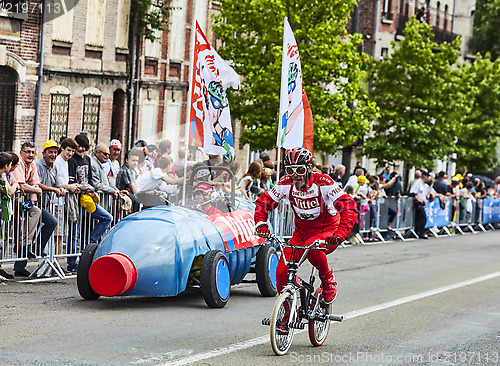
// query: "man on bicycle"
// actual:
[[322, 211]]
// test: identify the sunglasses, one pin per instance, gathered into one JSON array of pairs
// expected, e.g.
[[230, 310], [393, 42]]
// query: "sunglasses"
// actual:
[[104, 153], [296, 169]]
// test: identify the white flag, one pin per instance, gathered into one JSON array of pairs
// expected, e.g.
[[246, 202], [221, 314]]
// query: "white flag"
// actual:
[[291, 122], [210, 116]]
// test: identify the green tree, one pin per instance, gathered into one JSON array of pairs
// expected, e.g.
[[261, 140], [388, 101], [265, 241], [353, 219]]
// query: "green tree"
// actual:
[[149, 16], [252, 36], [420, 108], [487, 26], [479, 132]]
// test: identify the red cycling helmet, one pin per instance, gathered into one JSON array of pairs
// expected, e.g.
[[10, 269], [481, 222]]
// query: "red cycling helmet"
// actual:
[[298, 156]]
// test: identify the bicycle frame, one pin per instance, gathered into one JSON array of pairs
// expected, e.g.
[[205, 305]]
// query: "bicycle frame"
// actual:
[[296, 285]]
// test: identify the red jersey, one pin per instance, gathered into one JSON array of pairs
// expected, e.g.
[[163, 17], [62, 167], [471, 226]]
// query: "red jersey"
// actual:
[[318, 207]]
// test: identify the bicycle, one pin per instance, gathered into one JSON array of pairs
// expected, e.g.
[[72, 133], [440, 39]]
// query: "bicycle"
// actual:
[[298, 302]]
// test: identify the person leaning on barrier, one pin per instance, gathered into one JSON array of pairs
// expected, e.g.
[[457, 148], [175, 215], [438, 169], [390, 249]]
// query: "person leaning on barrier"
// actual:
[[5, 198], [99, 178], [420, 192], [60, 168], [79, 169], [125, 180], [27, 175], [112, 167]]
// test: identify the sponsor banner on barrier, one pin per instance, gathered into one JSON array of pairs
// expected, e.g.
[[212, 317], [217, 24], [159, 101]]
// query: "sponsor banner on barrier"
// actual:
[[436, 216], [237, 229], [491, 210]]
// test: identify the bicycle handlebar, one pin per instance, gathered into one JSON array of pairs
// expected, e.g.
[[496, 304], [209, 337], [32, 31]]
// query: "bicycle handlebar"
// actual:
[[314, 245]]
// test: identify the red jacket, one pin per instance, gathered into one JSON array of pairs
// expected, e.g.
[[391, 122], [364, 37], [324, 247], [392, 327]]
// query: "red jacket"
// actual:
[[320, 206]]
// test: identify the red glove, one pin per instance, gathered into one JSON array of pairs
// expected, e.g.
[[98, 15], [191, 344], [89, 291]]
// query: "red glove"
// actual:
[[262, 230], [333, 240]]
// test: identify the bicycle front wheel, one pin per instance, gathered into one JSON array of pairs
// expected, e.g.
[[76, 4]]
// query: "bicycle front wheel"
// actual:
[[281, 333], [318, 329]]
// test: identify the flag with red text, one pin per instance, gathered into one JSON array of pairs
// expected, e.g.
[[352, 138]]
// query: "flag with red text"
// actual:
[[210, 119]]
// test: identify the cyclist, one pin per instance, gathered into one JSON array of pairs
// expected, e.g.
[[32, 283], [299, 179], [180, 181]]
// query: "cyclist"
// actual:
[[322, 211]]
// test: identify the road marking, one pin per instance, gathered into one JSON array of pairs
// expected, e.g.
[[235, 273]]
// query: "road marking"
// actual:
[[351, 315]]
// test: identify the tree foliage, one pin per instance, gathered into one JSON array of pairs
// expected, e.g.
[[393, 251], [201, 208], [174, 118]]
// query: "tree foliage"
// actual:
[[149, 16], [252, 36], [487, 26], [479, 132], [420, 108]]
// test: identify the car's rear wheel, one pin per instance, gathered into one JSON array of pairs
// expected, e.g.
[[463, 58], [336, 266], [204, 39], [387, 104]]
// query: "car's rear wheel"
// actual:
[[82, 275], [215, 279]]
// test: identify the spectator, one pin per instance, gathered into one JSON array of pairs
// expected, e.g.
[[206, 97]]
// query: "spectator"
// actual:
[[266, 183], [45, 170], [249, 183], [418, 174], [419, 190], [5, 198], [353, 179], [79, 169], [165, 147], [338, 174], [179, 163], [60, 168], [27, 175], [147, 163], [439, 184], [394, 191], [159, 179], [100, 180], [126, 177], [112, 167], [387, 173], [153, 154]]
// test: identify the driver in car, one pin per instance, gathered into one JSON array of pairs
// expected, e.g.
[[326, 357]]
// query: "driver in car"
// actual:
[[202, 194]]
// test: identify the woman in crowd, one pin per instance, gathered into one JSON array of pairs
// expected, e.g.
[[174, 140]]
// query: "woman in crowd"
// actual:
[[249, 184]]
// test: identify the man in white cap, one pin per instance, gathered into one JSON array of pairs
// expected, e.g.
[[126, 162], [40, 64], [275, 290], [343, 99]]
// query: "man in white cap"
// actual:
[[112, 167]]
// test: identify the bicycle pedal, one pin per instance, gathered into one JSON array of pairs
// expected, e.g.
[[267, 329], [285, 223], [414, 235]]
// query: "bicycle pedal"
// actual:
[[336, 318], [297, 325], [266, 321]]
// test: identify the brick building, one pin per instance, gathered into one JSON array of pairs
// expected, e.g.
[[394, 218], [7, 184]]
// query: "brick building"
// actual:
[[164, 77], [85, 79], [19, 62]]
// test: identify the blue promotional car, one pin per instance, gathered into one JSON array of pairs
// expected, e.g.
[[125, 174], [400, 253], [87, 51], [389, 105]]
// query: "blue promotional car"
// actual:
[[164, 250]]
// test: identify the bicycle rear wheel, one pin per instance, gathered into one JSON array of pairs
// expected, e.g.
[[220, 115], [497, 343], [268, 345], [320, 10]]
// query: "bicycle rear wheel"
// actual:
[[281, 333], [318, 329]]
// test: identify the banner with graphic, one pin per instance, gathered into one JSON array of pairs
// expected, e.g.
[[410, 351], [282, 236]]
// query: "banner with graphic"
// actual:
[[210, 119], [436, 215], [294, 106]]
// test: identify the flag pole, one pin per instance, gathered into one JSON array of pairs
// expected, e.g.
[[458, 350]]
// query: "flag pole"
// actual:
[[188, 113]]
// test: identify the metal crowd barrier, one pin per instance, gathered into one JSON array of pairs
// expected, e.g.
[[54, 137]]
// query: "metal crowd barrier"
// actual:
[[19, 245], [374, 222]]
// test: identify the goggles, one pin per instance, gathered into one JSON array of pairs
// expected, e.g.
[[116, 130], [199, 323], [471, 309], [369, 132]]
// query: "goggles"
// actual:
[[296, 169]]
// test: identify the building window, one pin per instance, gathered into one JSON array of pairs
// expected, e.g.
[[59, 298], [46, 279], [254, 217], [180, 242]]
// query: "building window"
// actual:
[[445, 26], [384, 53], [59, 112], [438, 15], [91, 106]]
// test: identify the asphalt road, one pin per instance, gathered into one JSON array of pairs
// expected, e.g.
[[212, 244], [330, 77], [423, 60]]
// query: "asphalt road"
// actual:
[[423, 302]]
